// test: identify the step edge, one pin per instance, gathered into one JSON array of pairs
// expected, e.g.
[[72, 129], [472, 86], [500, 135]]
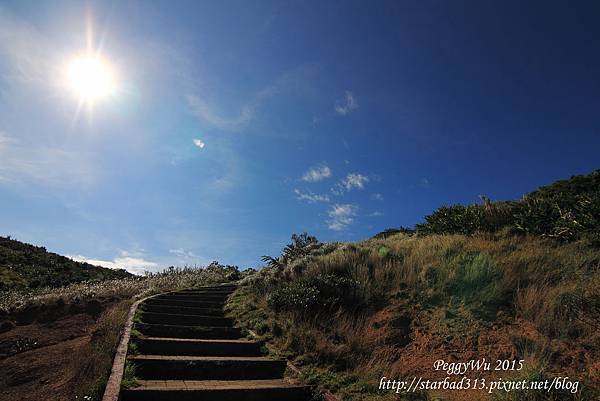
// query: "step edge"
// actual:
[[200, 340]]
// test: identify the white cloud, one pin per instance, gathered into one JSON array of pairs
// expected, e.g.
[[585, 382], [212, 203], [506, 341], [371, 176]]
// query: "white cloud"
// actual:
[[187, 257], [317, 173], [341, 216], [198, 143], [424, 183], [377, 196], [310, 197], [349, 183], [347, 105], [355, 181], [183, 253], [376, 213], [132, 263]]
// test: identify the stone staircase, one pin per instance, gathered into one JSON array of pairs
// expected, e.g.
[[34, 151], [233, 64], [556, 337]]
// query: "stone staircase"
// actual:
[[189, 351]]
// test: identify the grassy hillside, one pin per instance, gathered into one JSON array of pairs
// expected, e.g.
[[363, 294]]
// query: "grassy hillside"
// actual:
[[498, 280], [24, 266]]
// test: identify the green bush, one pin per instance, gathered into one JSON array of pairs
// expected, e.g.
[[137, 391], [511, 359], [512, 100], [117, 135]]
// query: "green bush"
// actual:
[[567, 210], [455, 219], [566, 218], [314, 294]]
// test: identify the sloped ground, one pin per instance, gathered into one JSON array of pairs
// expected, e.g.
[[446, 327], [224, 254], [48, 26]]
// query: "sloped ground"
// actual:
[[64, 359], [349, 314]]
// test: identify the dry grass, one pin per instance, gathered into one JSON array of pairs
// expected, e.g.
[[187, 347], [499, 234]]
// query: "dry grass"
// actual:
[[13, 301], [94, 369], [439, 291]]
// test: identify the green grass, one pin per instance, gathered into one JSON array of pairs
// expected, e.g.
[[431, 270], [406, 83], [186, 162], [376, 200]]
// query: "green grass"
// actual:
[[129, 379]]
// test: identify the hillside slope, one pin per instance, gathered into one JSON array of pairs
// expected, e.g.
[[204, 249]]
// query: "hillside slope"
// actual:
[[456, 288], [25, 266]]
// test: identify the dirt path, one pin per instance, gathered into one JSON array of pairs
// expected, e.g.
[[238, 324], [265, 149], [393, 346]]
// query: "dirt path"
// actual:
[[187, 350]]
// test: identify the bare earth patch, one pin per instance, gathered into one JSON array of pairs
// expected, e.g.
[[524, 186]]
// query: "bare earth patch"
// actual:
[[54, 360]]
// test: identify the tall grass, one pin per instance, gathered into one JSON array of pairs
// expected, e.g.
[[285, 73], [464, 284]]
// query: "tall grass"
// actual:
[[93, 370], [450, 286]]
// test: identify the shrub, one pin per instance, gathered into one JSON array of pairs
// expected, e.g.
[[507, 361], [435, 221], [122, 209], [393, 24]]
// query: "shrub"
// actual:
[[314, 294], [566, 210], [456, 219], [563, 217], [301, 245], [388, 232]]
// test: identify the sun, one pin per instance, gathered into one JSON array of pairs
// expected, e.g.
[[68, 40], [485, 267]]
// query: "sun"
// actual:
[[91, 78]]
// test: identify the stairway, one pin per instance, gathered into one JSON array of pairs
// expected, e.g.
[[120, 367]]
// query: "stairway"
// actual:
[[189, 351]]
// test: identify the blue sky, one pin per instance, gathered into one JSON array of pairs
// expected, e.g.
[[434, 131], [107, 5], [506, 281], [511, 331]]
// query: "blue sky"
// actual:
[[235, 124]]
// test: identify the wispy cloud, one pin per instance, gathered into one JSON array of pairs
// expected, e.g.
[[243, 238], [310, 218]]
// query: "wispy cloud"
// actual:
[[424, 183], [133, 263], [341, 216], [198, 143], [25, 50], [347, 105], [317, 173], [202, 109], [186, 257], [203, 106], [23, 163], [376, 213], [377, 197], [350, 182], [310, 197]]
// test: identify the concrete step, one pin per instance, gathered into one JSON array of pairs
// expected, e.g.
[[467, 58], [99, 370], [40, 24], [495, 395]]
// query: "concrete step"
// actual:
[[172, 367], [184, 302], [195, 347], [216, 390], [204, 292], [182, 331], [192, 297], [208, 290], [230, 287], [199, 297], [185, 320], [222, 295], [182, 310]]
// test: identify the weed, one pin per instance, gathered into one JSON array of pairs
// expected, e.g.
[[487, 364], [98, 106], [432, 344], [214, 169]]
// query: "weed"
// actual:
[[129, 379]]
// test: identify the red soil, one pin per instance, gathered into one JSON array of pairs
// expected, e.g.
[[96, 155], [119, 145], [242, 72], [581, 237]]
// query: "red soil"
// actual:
[[46, 360]]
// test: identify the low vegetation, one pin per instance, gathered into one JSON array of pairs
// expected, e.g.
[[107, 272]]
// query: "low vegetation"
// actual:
[[512, 280], [24, 266], [17, 301], [567, 210]]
